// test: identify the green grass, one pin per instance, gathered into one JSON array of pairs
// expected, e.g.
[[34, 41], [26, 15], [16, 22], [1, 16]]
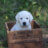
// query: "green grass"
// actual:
[[3, 47]]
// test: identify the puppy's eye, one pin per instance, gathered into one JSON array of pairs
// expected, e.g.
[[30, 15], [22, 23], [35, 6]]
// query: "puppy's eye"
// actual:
[[26, 18], [21, 18]]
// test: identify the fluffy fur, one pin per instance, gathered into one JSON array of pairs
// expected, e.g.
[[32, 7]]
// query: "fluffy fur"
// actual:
[[23, 21]]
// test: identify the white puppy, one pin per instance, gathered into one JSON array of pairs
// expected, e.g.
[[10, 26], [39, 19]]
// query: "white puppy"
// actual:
[[23, 21]]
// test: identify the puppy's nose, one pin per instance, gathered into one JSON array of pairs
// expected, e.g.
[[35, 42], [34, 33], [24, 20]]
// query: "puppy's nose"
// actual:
[[24, 23]]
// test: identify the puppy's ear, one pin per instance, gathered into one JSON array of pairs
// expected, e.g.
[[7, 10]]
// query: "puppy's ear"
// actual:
[[30, 17]]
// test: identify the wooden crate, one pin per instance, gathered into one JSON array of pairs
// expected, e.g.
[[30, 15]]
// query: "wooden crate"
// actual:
[[24, 39]]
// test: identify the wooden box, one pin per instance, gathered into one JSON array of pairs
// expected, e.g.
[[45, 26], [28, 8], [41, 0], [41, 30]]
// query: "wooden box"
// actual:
[[24, 39]]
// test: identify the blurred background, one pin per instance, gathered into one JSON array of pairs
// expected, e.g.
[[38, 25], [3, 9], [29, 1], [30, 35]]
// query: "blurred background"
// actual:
[[9, 8]]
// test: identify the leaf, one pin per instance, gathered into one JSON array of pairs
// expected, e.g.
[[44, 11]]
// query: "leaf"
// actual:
[[34, 3], [27, 4], [4, 1], [39, 8], [37, 13], [6, 17]]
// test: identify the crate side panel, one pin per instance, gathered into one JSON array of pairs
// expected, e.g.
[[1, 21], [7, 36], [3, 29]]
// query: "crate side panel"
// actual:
[[25, 35], [27, 45]]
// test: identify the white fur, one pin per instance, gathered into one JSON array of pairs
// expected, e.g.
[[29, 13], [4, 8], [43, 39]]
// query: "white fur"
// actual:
[[26, 17]]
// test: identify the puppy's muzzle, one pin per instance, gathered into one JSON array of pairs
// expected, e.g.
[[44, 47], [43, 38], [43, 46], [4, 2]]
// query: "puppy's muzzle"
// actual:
[[24, 23]]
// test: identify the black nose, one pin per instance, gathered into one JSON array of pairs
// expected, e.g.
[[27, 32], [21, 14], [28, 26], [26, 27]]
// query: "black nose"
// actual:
[[24, 23]]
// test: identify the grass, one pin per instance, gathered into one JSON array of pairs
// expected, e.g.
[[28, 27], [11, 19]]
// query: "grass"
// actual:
[[3, 47]]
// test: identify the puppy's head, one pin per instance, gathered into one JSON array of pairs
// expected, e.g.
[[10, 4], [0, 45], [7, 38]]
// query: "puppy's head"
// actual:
[[24, 18]]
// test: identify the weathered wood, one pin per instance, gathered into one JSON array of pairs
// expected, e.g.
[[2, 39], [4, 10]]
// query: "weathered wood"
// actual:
[[27, 45], [35, 34]]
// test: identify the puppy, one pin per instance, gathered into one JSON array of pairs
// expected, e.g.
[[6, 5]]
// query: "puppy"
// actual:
[[23, 21]]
